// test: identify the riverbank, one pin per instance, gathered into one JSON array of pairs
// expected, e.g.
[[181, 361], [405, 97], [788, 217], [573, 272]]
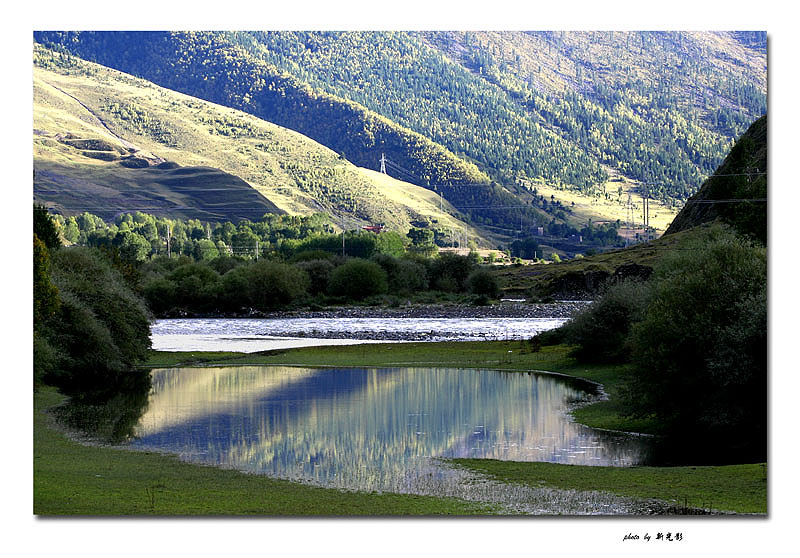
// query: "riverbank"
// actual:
[[501, 309]]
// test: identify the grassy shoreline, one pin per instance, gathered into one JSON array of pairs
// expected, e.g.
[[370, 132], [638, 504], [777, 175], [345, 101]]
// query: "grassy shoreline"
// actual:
[[73, 479]]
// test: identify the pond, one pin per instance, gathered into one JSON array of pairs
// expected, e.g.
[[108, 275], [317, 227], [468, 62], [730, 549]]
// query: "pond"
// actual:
[[251, 335], [373, 429]]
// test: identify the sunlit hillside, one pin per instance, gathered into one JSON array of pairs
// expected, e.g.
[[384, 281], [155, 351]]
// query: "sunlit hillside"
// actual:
[[107, 142]]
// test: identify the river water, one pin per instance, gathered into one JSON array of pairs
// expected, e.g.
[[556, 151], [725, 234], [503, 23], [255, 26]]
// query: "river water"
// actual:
[[251, 335]]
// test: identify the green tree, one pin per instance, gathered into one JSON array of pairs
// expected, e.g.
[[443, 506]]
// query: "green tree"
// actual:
[[272, 284], [45, 305], [449, 272], [132, 246], [357, 279], [421, 240], [601, 333], [700, 352], [45, 294], [484, 283], [318, 272], [205, 249], [101, 329], [45, 228]]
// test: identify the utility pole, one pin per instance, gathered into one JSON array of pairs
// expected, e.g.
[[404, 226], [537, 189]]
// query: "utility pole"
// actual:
[[383, 163], [256, 249], [169, 241], [628, 215]]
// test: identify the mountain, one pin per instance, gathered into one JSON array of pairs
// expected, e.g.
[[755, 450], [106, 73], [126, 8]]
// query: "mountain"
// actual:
[[107, 142], [484, 118], [724, 195]]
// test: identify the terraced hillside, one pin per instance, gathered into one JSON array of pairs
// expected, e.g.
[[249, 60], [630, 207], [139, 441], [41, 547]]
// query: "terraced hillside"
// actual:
[[106, 142]]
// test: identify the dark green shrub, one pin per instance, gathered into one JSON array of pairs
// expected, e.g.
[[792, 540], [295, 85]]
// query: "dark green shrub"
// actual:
[[448, 272], [484, 283], [272, 284], [196, 286], [233, 293], [357, 279], [101, 330], [223, 264], [409, 277], [45, 228], [601, 332], [311, 255], [159, 294], [318, 272]]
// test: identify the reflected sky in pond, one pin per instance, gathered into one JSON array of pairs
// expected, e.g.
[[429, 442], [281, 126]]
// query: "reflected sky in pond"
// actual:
[[370, 429]]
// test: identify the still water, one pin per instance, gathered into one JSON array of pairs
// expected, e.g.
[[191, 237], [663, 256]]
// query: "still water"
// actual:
[[369, 429]]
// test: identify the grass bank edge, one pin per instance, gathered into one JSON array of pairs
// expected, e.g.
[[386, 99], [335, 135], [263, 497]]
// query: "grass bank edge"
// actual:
[[740, 489]]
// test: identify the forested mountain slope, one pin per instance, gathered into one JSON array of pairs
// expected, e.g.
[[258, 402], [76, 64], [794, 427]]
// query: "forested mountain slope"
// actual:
[[106, 142], [454, 110], [725, 194]]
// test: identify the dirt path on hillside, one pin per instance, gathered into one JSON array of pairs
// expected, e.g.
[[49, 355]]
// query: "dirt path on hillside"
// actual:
[[128, 145]]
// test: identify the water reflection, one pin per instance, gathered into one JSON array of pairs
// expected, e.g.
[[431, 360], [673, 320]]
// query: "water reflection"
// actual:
[[111, 413], [374, 429]]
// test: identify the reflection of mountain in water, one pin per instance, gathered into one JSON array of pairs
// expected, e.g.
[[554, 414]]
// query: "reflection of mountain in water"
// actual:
[[368, 429]]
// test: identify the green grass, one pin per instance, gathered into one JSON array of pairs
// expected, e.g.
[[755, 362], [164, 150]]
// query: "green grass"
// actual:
[[735, 488], [74, 479]]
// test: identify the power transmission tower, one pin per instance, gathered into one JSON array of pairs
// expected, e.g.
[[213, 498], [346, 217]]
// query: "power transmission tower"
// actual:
[[383, 163]]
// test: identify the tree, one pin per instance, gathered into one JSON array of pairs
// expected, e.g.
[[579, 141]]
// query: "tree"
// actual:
[[357, 279], [484, 283], [45, 294], [421, 240], [101, 329], [449, 272], [273, 284], [700, 354], [45, 305], [205, 250], [600, 333], [132, 246], [45, 228]]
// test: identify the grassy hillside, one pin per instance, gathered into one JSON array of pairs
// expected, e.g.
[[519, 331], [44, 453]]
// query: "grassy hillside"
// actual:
[[582, 277], [564, 111], [107, 142]]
